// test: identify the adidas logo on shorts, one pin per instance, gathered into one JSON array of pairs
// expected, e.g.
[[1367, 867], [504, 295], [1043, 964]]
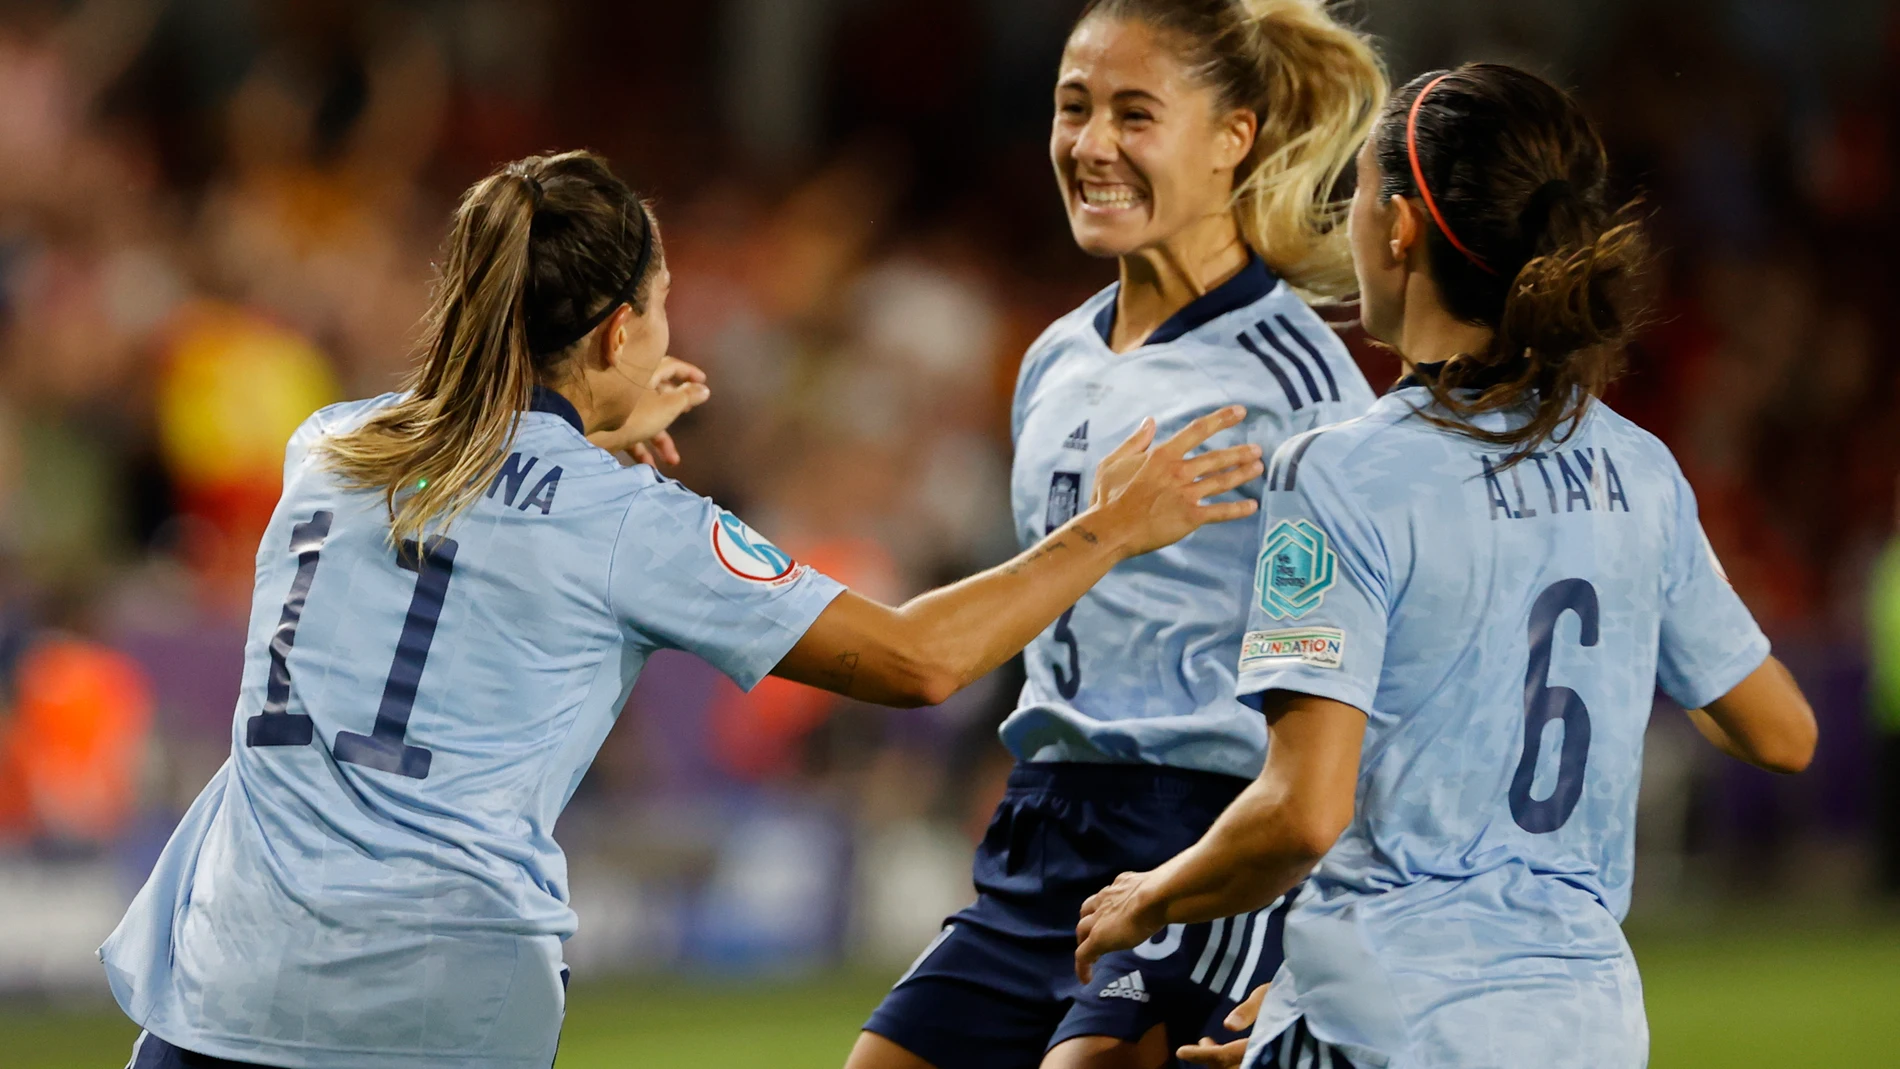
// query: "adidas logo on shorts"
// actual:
[[1130, 986]]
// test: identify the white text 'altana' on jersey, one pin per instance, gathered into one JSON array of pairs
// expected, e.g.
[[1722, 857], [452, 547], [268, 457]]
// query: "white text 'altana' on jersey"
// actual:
[[371, 881], [1141, 669]]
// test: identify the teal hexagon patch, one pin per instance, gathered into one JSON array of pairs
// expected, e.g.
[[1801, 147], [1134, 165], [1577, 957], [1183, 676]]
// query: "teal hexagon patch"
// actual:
[[1296, 569]]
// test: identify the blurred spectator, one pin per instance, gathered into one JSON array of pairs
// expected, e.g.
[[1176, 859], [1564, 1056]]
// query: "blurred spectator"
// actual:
[[71, 755]]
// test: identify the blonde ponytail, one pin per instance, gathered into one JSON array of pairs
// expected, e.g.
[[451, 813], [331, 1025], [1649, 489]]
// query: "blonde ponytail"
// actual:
[[542, 249], [1324, 87]]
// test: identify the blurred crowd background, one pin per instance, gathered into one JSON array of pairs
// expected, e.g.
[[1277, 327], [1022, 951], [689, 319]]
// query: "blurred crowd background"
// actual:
[[218, 215]]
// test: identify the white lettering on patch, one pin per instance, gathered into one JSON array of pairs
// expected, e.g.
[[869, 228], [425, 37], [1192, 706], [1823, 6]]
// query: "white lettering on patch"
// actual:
[[1321, 647]]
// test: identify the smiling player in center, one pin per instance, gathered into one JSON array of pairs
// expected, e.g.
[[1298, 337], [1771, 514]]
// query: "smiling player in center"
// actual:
[[1198, 142]]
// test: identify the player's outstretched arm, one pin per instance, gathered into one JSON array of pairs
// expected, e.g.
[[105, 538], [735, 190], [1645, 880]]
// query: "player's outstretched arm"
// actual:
[[1265, 842], [1146, 496], [1764, 720]]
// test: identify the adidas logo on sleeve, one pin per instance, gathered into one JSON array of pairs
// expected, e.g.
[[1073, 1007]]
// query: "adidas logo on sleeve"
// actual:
[[1130, 986]]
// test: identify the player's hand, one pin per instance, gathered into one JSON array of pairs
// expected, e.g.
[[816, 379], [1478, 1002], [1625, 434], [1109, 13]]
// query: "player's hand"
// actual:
[[1227, 1055], [676, 388], [1118, 917], [1151, 496]]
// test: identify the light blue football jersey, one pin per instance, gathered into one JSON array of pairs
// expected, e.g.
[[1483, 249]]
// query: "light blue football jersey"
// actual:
[[1504, 630], [371, 882], [1141, 669]]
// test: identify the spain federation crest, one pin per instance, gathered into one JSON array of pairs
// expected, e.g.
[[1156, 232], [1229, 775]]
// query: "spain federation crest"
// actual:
[[1296, 569]]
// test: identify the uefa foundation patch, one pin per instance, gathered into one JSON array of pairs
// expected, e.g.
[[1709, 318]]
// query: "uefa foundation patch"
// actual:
[[1321, 647], [748, 554]]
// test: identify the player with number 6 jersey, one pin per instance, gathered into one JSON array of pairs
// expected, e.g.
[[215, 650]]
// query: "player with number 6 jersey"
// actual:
[[453, 599], [1466, 600]]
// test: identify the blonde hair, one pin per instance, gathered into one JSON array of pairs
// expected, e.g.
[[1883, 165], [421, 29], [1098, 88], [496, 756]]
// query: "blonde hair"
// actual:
[[540, 252], [1315, 84]]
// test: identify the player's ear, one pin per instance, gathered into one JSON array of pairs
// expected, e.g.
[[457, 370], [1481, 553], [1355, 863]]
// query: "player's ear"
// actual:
[[1234, 138], [622, 327], [1407, 228]]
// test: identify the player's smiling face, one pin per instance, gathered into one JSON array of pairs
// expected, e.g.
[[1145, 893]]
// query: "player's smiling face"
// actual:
[[1141, 150]]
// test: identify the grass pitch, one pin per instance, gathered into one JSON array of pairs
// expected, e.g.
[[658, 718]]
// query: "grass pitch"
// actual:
[[1732, 1000]]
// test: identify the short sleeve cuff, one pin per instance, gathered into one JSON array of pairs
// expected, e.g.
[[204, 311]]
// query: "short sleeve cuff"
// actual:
[[1318, 682], [1705, 687], [793, 614]]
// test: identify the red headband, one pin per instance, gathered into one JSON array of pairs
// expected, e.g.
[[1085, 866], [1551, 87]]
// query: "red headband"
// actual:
[[1418, 175]]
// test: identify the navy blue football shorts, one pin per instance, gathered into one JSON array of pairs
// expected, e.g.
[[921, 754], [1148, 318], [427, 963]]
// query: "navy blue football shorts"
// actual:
[[996, 989]]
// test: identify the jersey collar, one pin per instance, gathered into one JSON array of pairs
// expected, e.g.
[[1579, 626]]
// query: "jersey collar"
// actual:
[[1420, 375], [1253, 282], [546, 400], [1426, 374]]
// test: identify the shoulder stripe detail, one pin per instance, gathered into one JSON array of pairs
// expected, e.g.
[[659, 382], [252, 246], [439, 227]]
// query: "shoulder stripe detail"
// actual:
[[1312, 386], [1286, 384], [1293, 461], [1332, 385]]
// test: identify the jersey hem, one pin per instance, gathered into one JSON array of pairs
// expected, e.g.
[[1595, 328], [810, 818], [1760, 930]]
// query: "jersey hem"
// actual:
[[301, 1056]]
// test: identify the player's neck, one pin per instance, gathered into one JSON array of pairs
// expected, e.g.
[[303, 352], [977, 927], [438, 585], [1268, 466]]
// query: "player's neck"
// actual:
[[1432, 335], [1157, 282]]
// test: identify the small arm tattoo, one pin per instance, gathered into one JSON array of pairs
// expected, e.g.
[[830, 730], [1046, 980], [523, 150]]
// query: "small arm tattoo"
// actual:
[[841, 677], [1040, 551]]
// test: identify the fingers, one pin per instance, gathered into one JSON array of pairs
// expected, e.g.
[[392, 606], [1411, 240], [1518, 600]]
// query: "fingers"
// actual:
[[672, 370], [1231, 479], [664, 446], [1221, 1055], [642, 455], [686, 395], [1225, 512], [1218, 459], [1247, 1012], [1085, 950], [1137, 442], [1086, 956], [1202, 429]]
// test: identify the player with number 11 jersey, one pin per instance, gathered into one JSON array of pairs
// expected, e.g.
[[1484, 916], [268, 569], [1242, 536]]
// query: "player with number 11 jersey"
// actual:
[[454, 596]]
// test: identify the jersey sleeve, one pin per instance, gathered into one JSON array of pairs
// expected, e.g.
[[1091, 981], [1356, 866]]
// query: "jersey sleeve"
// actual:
[[1709, 642], [324, 421], [689, 575], [1316, 621]]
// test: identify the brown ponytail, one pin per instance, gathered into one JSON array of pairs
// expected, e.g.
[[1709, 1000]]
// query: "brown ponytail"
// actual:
[[539, 253], [1315, 85], [1517, 174]]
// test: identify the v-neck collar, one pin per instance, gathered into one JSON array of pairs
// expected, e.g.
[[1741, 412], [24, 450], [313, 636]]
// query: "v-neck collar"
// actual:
[[1248, 285], [546, 400]]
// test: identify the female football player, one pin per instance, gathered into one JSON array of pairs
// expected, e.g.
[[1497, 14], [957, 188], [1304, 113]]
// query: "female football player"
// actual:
[[1469, 597], [454, 598], [1199, 143]]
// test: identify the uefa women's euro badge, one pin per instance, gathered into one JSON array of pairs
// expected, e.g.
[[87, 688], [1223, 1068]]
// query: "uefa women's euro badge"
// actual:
[[748, 554], [1295, 571]]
